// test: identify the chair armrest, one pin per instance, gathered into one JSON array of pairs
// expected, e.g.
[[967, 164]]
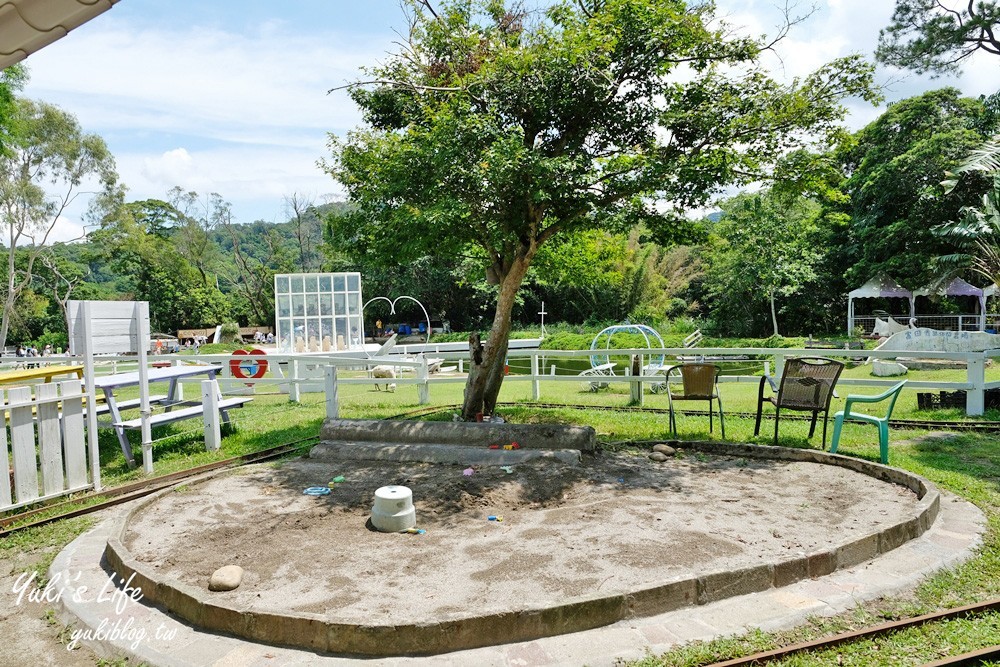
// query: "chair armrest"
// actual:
[[875, 398]]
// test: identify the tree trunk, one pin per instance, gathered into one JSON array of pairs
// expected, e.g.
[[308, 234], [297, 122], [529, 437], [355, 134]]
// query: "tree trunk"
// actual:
[[774, 315], [486, 372]]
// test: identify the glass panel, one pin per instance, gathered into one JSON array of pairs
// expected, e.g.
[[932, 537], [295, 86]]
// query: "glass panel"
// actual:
[[281, 286], [339, 305], [296, 284], [326, 328], [325, 283], [338, 282], [284, 334], [354, 283], [313, 338], [298, 305], [358, 325], [325, 304], [284, 306], [353, 303], [312, 304], [299, 333], [311, 283], [341, 332]]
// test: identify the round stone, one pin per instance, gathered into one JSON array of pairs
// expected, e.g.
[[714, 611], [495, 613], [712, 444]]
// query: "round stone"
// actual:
[[659, 457], [664, 449], [226, 578]]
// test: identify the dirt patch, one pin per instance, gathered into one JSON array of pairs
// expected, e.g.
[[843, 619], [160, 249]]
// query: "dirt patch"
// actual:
[[614, 524]]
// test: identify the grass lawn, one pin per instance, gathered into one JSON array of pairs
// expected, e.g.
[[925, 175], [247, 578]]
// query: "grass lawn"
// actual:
[[967, 465]]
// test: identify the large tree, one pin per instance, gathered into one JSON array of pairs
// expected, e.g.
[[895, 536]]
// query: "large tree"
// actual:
[[42, 169], [766, 253], [937, 36], [894, 167], [500, 129]]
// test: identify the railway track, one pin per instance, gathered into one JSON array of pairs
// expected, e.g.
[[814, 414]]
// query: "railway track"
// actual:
[[122, 494], [873, 632]]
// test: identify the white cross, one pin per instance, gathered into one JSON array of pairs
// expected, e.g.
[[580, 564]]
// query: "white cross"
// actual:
[[543, 314]]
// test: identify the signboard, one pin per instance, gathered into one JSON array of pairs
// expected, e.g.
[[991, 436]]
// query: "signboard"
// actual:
[[115, 327]]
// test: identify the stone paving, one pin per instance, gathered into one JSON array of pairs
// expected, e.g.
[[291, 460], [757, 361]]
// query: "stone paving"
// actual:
[[124, 627]]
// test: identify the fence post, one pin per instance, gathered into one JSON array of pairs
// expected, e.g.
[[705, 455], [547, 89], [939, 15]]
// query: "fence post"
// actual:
[[210, 403], [975, 400], [423, 389], [332, 403], [635, 387], [536, 385], [294, 394], [461, 365], [779, 365]]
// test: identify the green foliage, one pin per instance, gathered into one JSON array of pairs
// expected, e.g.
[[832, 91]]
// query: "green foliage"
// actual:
[[230, 332], [765, 251], [895, 166], [42, 165], [930, 36]]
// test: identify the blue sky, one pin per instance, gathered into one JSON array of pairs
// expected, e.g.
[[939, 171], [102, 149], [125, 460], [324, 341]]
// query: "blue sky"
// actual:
[[230, 96]]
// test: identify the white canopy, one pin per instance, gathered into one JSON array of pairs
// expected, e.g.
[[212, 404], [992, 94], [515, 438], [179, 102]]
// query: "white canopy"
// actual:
[[28, 25], [881, 286]]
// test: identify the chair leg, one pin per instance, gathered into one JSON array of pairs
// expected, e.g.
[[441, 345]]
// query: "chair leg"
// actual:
[[812, 425], [826, 418], [760, 407], [722, 419], [883, 441], [777, 410], [673, 419], [838, 425], [710, 428]]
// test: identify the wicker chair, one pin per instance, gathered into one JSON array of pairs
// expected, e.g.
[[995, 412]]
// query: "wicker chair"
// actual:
[[806, 385], [699, 382]]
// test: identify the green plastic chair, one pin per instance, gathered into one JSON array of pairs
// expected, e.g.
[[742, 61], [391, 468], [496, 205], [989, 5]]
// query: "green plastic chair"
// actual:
[[891, 395]]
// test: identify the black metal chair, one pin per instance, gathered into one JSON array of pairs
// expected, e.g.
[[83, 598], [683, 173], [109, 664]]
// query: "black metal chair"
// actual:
[[806, 385]]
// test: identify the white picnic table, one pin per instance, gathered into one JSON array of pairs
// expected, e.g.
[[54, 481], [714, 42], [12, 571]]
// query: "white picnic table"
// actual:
[[110, 383]]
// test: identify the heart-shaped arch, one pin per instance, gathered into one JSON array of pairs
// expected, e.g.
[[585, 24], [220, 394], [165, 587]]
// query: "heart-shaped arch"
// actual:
[[392, 309]]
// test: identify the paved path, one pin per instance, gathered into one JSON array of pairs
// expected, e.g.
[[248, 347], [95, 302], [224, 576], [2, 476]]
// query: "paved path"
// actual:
[[146, 634]]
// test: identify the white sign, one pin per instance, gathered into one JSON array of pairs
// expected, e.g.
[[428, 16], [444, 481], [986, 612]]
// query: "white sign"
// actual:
[[935, 340]]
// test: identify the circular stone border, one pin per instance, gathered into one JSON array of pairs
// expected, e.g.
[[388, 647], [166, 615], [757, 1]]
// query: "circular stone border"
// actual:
[[317, 633]]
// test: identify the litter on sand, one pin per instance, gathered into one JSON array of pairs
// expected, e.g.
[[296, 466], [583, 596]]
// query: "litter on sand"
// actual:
[[338, 479], [468, 472], [493, 517], [317, 491], [414, 531], [508, 469]]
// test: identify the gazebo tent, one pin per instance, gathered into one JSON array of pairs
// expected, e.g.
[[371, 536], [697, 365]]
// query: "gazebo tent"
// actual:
[[29, 25], [881, 286], [958, 287]]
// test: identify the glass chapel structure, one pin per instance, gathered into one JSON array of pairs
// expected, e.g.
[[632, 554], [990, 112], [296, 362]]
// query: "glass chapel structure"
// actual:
[[318, 312]]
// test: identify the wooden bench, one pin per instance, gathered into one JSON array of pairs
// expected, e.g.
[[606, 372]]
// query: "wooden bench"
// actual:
[[185, 413], [103, 408]]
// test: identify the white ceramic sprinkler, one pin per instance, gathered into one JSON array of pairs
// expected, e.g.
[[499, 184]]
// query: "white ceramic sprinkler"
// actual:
[[393, 509]]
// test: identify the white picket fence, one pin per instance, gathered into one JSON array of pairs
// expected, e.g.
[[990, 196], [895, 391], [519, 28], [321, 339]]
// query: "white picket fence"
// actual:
[[47, 449]]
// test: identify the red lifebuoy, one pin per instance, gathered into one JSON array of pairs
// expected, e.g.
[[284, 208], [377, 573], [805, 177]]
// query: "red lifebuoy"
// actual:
[[250, 368]]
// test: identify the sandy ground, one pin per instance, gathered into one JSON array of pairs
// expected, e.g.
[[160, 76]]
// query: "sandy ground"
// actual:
[[30, 635], [616, 523]]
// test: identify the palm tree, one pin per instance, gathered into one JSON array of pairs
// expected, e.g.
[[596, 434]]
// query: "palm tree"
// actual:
[[976, 233]]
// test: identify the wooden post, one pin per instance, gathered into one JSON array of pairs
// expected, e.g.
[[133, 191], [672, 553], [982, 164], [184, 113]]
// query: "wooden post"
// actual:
[[332, 402], [294, 395], [423, 389], [635, 387], [536, 385], [210, 407], [975, 398], [140, 323], [179, 391], [93, 446]]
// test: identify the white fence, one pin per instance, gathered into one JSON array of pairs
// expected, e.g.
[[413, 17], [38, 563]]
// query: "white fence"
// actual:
[[49, 452], [47, 449]]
